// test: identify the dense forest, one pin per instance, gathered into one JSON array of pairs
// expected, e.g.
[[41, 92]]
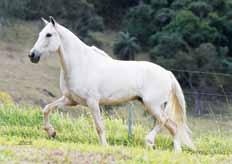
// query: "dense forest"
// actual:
[[180, 35]]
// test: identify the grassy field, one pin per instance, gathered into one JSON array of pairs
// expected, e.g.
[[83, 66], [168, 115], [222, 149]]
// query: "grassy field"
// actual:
[[23, 140]]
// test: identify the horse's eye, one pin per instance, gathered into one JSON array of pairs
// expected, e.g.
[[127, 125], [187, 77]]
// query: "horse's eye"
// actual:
[[48, 35]]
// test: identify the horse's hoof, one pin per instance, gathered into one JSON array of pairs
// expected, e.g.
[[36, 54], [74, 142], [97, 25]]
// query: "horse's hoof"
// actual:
[[51, 132], [105, 144], [149, 144], [53, 135]]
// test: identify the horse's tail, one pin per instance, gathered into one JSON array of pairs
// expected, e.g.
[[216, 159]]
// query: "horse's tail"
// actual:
[[176, 109]]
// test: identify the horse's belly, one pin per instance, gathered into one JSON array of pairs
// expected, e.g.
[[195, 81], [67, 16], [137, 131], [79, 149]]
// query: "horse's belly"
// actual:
[[111, 94], [114, 101]]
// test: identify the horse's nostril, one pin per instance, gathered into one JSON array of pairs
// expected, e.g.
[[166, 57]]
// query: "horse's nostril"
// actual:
[[31, 55]]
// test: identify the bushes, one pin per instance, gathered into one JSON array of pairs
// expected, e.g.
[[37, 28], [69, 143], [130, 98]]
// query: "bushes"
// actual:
[[5, 98], [113, 11], [125, 47], [138, 22], [78, 14]]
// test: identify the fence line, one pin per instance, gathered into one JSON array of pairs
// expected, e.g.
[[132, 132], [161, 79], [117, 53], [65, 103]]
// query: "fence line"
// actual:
[[226, 94], [207, 94], [201, 72]]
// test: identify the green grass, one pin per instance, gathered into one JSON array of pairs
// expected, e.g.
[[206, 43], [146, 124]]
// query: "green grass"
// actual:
[[22, 139]]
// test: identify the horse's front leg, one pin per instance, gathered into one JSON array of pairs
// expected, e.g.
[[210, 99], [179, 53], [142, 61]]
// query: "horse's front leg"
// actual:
[[95, 110], [61, 102]]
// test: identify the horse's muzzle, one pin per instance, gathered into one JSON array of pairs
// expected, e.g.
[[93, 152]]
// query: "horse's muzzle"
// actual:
[[34, 57]]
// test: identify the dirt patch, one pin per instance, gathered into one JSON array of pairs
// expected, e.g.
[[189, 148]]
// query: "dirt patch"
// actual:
[[27, 154]]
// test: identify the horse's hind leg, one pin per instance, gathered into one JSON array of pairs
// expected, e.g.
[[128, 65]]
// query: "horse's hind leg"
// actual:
[[156, 111], [63, 101], [150, 138]]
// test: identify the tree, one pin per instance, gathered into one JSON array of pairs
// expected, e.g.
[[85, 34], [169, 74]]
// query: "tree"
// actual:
[[157, 4], [193, 30], [166, 45], [125, 47], [164, 17], [138, 22], [199, 8], [180, 4], [113, 11], [79, 15]]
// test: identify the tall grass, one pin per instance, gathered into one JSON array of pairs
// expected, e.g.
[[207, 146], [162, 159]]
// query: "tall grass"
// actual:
[[26, 122]]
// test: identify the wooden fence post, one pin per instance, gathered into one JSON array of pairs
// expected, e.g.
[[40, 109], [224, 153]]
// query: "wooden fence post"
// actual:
[[130, 121]]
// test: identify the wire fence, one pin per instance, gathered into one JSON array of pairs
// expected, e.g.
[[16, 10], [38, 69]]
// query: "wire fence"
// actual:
[[201, 72], [215, 91]]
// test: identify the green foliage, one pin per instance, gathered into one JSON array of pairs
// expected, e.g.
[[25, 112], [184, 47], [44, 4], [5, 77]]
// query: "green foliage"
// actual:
[[156, 4], [14, 8], [125, 47], [5, 98], [161, 41], [138, 23], [193, 30], [79, 15], [218, 5], [180, 4], [113, 11], [200, 8], [163, 17], [180, 27]]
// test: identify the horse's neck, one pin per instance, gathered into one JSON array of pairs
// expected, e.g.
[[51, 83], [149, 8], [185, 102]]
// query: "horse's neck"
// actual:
[[77, 57], [71, 52]]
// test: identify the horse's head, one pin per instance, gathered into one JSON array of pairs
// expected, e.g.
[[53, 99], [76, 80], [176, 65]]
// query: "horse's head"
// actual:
[[47, 42]]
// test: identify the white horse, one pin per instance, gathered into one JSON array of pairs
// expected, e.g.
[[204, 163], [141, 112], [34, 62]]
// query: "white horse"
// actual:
[[90, 77]]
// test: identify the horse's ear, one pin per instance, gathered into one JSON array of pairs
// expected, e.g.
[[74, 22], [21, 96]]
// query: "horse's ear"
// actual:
[[44, 20], [52, 20]]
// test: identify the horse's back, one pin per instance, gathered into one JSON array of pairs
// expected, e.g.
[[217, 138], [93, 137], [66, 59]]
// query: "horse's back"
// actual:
[[135, 77]]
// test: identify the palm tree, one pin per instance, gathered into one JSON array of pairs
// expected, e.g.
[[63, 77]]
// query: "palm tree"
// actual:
[[125, 47]]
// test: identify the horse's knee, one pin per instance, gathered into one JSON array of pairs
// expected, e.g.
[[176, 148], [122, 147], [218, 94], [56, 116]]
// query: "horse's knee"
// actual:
[[46, 109], [99, 128]]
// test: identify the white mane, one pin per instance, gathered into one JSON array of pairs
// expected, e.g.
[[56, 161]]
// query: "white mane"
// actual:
[[95, 49], [99, 51]]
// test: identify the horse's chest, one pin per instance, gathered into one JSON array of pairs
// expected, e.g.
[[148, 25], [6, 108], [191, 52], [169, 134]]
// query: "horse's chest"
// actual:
[[76, 96], [75, 90]]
